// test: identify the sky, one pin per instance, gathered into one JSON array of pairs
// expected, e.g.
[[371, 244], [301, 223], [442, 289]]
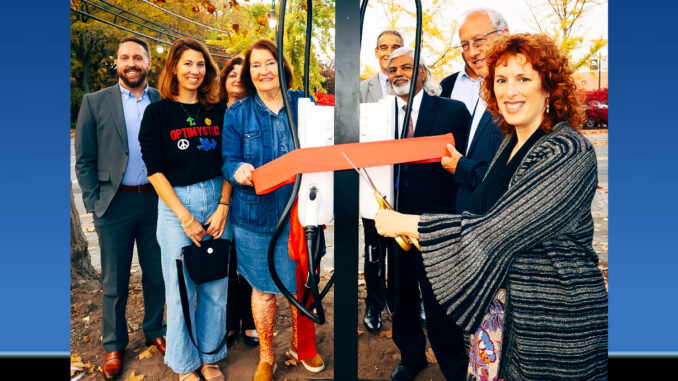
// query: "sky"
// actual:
[[516, 13]]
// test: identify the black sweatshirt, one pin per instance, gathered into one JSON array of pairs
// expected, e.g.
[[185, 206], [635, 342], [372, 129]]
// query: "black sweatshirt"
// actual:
[[182, 141]]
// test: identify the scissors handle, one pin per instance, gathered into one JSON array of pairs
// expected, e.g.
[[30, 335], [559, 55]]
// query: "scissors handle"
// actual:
[[404, 241]]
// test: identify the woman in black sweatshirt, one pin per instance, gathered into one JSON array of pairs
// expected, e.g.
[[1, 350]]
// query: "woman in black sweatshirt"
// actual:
[[180, 141]]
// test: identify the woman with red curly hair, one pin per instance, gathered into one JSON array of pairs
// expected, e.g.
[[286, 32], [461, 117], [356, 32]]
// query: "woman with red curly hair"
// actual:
[[518, 271]]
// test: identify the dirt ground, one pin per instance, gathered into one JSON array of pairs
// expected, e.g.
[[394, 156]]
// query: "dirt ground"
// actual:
[[378, 356]]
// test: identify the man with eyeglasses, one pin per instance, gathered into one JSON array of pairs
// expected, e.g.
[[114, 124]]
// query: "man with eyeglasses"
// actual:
[[372, 90], [480, 27]]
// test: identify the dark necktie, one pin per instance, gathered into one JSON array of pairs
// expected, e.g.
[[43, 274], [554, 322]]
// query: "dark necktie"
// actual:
[[410, 125]]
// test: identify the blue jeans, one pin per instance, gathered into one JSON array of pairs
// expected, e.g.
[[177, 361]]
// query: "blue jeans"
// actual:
[[208, 317]]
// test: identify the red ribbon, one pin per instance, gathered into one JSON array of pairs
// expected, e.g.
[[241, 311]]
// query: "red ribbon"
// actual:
[[282, 170]]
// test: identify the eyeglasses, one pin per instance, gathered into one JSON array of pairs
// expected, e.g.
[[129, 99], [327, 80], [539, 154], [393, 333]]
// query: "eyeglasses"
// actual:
[[477, 42]]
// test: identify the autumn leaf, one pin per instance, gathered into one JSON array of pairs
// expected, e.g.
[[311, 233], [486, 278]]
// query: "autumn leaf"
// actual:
[[388, 334], [209, 6], [75, 4], [430, 356], [196, 8], [133, 377], [75, 358], [304, 6], [261, 20], [148, 353], [290, 360], [236, 27], [234, 4]]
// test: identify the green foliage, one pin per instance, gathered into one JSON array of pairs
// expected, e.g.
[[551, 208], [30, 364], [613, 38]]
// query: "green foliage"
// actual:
[[561, 20], [249, 23], [93, 43]]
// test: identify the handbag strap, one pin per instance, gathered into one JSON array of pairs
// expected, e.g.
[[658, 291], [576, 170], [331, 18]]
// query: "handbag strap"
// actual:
[[183, 293]]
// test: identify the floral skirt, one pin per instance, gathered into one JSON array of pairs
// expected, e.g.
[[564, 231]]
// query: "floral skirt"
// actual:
[[485, 349]]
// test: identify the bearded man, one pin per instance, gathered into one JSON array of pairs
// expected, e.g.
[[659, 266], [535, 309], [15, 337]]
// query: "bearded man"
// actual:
[[424, 188], [115, 189]]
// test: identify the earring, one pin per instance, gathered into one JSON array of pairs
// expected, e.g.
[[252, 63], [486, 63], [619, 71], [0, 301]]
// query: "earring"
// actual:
[[547, 108]]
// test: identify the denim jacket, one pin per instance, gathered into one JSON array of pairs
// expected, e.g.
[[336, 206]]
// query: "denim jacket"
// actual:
[[254, 134]]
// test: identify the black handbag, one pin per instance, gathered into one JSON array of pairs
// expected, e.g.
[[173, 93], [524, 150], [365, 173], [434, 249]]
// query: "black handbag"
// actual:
[[209, 261], [204, 264]]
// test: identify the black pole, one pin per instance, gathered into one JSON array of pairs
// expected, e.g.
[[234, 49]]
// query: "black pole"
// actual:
[[346, 122]]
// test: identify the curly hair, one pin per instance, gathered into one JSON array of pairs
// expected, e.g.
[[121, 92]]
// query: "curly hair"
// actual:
[[168, 85], [228, 68], [555, 73]]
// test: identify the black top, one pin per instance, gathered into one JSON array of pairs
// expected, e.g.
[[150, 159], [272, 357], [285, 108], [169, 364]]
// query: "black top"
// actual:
[[182, 141], [497, 180]]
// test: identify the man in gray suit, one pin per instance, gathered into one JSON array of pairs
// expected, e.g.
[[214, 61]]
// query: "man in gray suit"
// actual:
[[372, 90], [115, 189]]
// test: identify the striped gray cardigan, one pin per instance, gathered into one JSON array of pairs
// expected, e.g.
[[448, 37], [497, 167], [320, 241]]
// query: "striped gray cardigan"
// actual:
[[536, 241]]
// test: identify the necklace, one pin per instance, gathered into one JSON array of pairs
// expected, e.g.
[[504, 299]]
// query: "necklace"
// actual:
[[191, 120]]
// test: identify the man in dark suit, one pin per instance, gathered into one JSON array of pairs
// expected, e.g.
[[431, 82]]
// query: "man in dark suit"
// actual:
[[115, 189], [372, 90], [479, 29], [424, 188]]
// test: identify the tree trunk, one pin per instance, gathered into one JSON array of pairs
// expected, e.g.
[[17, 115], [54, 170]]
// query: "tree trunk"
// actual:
[[83, 274]]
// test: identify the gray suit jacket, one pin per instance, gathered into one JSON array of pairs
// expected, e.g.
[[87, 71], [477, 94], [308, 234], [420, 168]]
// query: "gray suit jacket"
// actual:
[[101, 150], [370, 90]]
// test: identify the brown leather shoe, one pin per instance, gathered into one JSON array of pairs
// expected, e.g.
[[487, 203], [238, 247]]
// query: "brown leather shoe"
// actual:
[[158, 342], [112, 364]]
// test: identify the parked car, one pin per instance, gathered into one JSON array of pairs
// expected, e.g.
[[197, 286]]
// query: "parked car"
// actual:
[[596, 109]]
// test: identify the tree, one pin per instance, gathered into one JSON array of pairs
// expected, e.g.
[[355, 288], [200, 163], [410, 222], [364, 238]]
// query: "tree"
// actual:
[[249, 23], [82, 272], [437, 33], [561, 19]]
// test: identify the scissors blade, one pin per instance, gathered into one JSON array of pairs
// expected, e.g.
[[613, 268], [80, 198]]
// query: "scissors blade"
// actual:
[[363, 173]]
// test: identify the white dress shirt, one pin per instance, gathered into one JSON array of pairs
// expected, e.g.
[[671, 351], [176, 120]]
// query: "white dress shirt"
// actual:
[[467, 90], [383, 81], [416, 103]]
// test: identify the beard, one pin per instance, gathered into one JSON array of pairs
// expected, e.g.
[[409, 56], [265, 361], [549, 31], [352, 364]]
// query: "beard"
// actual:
[[403, 89], [132, 83]]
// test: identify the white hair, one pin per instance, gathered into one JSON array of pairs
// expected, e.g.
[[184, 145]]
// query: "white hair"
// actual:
[[498, 21], [430, 86]]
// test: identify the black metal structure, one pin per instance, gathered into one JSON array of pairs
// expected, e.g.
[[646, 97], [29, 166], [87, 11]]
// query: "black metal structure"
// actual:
[[349, 15], [311, 232]]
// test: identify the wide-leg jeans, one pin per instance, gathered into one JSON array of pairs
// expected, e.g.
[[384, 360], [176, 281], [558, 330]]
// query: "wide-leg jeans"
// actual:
[[208, 317]]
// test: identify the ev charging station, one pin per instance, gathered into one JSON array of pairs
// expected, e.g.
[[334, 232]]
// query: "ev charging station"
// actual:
[[322, 196]]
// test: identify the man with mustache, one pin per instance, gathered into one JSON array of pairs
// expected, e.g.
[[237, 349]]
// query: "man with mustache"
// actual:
[[480, 27], [424, 188], [376, 246], [115, 189]]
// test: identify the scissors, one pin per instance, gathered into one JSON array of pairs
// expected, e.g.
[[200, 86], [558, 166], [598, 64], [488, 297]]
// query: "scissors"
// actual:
[[404, 241]]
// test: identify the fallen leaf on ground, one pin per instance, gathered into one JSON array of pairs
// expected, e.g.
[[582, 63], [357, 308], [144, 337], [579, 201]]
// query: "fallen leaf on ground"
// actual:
[[148, 353], [430, 356], [78, 364], [133, 377], [388, 334], [89, 230], [75, 358], [85, 319]]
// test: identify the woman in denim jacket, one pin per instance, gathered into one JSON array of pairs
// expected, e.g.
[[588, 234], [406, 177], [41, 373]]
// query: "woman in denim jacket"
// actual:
[[256, 131]]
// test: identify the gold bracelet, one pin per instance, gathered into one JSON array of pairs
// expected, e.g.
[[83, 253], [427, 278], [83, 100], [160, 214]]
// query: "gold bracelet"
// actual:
[[188, 223]]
